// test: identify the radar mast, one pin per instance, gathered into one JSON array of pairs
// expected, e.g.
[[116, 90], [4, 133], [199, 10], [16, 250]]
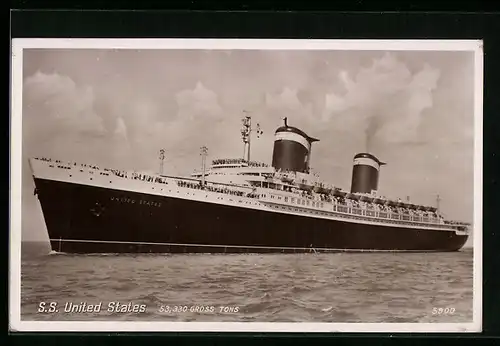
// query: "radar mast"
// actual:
[[246, 132]]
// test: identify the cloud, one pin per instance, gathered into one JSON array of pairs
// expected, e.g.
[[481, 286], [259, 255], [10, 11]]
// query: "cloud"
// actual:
[[55, 107], [57, 93], [56, 98], [199, 101], [293, 104], [385, 100]]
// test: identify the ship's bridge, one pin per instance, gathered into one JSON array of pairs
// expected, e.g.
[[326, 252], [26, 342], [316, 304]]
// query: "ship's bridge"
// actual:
[[235, 171], [235, 163]]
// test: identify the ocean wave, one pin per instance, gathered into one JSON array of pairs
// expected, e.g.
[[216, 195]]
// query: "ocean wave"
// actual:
[[339, 287]]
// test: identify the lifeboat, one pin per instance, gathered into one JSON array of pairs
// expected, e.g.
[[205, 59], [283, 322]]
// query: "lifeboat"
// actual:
[[352, 196], [392, 203], [287, 177], [322, 188], [303, 184], [318, 188], [328, 189], [339, 193], [366, 198]]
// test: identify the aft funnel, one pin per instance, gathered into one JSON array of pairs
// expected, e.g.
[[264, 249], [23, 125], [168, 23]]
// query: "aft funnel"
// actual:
[[365, 173]]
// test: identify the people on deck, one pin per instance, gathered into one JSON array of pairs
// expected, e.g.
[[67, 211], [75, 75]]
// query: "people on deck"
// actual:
[[407, 212]]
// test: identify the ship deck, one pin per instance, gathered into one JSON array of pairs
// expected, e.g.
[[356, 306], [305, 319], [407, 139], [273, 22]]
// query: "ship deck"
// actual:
[[294, 202]]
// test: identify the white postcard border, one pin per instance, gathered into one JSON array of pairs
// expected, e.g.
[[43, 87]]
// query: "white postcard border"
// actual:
[[18, 45]]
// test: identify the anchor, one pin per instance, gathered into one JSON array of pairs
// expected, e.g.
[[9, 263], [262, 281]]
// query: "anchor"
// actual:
[[98, 209]]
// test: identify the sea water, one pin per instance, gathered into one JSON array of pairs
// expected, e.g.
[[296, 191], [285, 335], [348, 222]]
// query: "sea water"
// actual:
[[339, 287]]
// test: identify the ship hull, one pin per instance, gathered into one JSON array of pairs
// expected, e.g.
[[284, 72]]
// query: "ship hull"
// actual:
[[87, 219]]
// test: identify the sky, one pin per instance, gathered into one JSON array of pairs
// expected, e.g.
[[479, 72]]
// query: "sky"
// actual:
[[414, 110]]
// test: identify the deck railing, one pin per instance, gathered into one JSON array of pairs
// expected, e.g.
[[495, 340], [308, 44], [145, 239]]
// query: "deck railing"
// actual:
[[332, 208], [371, 214]]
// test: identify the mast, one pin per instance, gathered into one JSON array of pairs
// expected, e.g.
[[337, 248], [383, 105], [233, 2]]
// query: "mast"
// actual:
[[246, 131], [245, 134], [162, 158], [203, 153], [438, 200]]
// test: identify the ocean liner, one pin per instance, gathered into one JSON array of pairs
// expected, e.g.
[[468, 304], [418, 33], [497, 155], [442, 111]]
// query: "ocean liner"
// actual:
[[235, 206]]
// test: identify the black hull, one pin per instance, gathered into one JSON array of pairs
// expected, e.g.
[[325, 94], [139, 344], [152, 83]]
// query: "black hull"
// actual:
[[87, 219]]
